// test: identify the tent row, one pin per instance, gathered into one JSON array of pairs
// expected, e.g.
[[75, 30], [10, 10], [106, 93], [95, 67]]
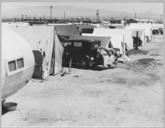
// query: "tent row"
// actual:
[[118, 38], [45, 43], [48, 50], [122, 38], [145, 30]]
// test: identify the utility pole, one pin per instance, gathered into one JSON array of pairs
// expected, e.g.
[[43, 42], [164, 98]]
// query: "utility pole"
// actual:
[[34, 18], [64, 15], [135, 15], [22, 18], [97, 14], [51, 12], [29, 18], [26, 17], [161, 18], [44, 17]]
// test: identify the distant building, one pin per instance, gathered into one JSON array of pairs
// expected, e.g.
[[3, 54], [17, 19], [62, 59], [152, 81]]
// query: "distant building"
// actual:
[[113, 21], [145, 21], [131, 21]]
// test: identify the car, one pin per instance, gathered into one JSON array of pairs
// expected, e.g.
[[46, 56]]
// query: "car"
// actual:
[[82, 53]]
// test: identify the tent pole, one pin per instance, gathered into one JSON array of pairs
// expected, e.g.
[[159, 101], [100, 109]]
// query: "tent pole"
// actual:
[[54, 50], [70, 65]]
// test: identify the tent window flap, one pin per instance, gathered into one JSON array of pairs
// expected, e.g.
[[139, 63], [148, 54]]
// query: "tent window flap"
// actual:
[[20, 63], [12, 66]]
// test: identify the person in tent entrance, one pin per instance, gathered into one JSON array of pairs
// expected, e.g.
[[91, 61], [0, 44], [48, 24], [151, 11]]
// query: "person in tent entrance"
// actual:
[[137, 41], [114, 54]]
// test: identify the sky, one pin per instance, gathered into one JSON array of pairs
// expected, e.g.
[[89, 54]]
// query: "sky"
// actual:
[[15, 9]]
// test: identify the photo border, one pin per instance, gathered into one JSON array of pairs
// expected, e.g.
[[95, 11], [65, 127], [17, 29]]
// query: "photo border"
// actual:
[[102, 1]]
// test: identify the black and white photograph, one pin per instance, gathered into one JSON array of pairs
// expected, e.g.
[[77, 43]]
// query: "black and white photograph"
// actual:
[[82, 64]]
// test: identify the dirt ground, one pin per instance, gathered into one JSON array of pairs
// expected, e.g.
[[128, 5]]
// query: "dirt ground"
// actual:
[[129, 95]]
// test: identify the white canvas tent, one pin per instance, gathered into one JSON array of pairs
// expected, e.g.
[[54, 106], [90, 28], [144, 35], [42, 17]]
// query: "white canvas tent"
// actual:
[[116, 38], [81, 27], [105, 40], [16, 24], [119, 37], [127, 38], [141, 33], [157, 26], [146, 26], [65, 29], [44, 38]]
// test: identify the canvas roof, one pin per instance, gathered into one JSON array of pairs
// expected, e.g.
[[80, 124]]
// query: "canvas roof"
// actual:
[[11, 50], [157, 26], [104, 39], [146, 26], [116, 36], [65, 29]]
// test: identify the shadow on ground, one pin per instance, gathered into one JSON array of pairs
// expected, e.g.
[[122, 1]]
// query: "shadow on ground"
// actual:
[[4, 110], [8, 106], [140, 65], [137, 52], [95, 68], [143, 72]]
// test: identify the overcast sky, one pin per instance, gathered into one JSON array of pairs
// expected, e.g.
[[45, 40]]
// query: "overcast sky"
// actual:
[[8, 8]]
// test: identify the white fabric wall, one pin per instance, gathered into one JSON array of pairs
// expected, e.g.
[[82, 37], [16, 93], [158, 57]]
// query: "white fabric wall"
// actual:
[[42, 38], [128, 39], [104, 39], [134, 30], [58, 55], [146, 26], [15, 46], [117, 36]]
